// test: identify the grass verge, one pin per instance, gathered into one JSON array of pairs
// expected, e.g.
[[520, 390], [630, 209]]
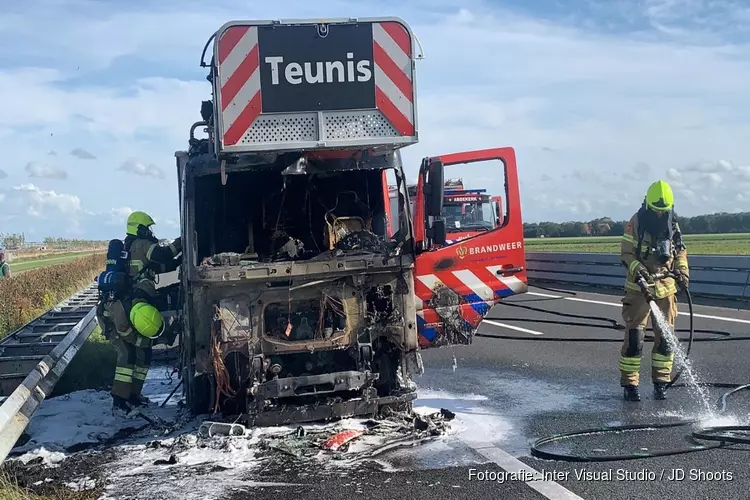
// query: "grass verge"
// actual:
[[92, 368], [22, 265], [11, 489], [26, 296]]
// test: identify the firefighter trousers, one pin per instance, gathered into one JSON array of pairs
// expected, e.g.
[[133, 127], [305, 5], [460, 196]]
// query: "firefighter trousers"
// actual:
[[133, 360], [635, 314]]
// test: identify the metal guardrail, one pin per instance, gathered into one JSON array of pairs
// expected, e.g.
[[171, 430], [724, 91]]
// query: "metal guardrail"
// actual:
[[718, 276], [24, 348], [17, 410]]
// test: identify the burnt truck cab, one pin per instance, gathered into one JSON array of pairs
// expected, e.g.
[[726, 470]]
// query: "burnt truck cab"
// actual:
[[299, 299], [307, 291]]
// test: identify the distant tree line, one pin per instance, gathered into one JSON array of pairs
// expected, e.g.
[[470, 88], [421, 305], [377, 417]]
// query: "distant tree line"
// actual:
[[701, 224], [51, 242], [12, 241]]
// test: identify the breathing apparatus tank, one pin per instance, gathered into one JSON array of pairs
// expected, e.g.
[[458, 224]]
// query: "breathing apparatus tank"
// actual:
[[115, 279]]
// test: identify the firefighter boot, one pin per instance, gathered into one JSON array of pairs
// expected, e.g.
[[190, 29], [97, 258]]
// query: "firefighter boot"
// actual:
[[660, 390], [631, 393], [120, 407], [139, 400]]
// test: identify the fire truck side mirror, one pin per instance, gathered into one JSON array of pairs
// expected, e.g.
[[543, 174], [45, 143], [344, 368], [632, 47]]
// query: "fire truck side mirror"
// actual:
[[435, 189]]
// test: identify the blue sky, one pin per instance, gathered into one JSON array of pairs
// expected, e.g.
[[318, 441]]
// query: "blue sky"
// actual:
[[599, 100]]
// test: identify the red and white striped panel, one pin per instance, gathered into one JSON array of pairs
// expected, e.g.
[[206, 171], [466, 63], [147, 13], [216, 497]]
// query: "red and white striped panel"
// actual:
[[394, 90], [465, 281], [239, 70]]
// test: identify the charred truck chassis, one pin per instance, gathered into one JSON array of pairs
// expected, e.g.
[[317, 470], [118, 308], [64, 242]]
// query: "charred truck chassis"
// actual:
[[364, 359]]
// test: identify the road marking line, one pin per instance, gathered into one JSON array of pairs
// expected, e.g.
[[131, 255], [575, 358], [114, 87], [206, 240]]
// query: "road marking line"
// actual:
[[544, 295], [511, 327], [614, 304], [548, 489], [589, 301]]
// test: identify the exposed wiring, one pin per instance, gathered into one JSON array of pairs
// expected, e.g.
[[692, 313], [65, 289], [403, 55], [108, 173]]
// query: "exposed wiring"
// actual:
[[222, 375]]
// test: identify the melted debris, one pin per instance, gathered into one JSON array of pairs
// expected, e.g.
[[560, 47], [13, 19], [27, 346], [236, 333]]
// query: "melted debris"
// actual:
[[364, 240], [397, 428], [371, 437], [222, 259]]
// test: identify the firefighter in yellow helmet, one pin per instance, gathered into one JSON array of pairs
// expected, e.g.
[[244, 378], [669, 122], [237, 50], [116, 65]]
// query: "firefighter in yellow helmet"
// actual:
[[141, 322], [651, 244]]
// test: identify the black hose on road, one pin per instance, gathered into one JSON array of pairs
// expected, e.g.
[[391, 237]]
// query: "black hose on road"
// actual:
[[719, 436]]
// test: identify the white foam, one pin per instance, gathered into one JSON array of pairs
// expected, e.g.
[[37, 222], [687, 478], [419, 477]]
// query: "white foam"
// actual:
[[442, 394], [203, 464], [86, 417], [472, 424]]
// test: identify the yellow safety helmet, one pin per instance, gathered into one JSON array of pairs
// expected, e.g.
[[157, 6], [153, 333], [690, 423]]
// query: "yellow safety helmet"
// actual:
[[147, 320], [659, 196], [136, 220]]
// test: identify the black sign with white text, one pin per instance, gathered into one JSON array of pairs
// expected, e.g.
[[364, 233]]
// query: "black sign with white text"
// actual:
[[304, 68]]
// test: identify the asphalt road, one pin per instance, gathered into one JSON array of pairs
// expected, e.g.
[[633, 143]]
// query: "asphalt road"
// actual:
[[543, 363], [538, 377]]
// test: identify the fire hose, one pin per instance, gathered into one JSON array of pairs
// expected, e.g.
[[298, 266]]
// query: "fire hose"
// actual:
[[718, 436]]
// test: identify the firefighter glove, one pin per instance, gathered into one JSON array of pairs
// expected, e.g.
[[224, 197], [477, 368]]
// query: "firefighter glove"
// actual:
[[682, 279], [642, 272]]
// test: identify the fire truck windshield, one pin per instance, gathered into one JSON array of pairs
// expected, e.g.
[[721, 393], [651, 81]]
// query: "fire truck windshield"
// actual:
[[471, 215]]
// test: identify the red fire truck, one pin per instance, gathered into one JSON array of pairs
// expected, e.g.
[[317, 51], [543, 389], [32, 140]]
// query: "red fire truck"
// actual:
[[466, 212]]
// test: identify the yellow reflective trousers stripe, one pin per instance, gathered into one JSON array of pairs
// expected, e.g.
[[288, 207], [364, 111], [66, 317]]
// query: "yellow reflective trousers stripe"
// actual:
[[630, 364], [123, 374], [140, 373], [661, 361]]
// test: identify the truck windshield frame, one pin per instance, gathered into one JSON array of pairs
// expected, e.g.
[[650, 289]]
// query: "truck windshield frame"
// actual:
[[468, 215]]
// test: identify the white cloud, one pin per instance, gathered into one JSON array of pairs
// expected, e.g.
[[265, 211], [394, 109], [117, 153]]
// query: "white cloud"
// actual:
[[118, 216], [136, 167], [82, 154], [713, 180], [32, 200], [584, 96], [44, 171]]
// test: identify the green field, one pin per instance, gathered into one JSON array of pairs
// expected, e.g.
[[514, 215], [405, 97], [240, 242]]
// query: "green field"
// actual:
[[702, 244], [20, 265]]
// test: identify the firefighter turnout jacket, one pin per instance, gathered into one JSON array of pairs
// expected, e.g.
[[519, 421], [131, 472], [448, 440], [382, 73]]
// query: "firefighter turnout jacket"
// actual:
[[639, 247], [149, 258]]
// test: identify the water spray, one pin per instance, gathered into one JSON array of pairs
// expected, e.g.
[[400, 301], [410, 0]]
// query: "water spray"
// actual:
[[717, 436]]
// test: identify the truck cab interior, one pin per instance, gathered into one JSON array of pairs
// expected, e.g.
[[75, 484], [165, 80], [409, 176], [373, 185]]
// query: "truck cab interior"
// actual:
[[277, 212]]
